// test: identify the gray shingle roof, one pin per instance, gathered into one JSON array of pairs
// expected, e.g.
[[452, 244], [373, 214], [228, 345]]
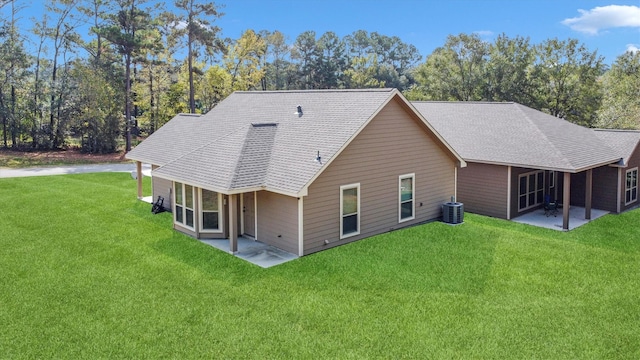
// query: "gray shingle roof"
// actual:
[[516, 135], [624, 142], [258, 140]]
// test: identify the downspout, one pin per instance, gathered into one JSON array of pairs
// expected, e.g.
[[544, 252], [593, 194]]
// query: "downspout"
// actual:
[[455, 182], [619, 195]]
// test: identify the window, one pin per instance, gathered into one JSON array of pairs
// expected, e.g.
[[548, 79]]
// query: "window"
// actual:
[[406, 198], [631, 188], [210, 201], [530, 190], [184, 204], [552, 179], [349, 210]]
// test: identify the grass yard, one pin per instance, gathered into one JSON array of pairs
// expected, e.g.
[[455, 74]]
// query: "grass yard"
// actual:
[[89, 272]]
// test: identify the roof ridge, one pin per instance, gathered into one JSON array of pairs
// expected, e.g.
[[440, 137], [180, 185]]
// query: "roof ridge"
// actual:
[[464, 102], [205, 144], [618, 130], [555, 148], [190, 115], [310, 91]]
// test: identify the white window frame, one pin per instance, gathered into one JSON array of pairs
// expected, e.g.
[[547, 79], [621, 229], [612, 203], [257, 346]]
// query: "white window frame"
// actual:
[[358, 212], [413, 197], [183, 223], [538, 187], [552, 179], [220, 228], [629, 189]]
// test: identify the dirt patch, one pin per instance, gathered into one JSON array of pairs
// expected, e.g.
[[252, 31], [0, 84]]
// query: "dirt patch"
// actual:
[[11, 158]]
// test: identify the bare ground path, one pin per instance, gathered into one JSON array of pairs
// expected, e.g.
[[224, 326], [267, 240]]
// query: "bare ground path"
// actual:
[[71, 169], [41, 163]]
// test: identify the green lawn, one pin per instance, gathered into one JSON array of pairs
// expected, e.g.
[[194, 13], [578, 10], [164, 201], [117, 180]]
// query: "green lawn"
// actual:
[[88, 272]]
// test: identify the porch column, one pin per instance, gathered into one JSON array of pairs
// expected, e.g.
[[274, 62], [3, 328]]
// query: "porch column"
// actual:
[[139, 178], [566, 200], [233, 223], [588, 195]]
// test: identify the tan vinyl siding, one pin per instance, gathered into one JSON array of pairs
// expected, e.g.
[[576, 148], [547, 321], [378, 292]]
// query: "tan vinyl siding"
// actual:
[[161, 187], [392, 144], [483, 189], [278, 220]]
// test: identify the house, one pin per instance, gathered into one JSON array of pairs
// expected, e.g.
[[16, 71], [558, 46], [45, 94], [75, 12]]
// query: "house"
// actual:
[[301, 170], [517, 156]]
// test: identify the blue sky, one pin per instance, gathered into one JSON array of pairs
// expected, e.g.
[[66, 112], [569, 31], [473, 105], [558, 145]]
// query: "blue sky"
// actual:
[[609, 26], [427, 23]]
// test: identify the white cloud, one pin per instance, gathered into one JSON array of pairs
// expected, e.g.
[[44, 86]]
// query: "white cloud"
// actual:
[[633, 48], [483, 33], [604, 17]]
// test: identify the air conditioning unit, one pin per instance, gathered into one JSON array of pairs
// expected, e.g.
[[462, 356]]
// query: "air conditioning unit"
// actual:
[[453, 212]]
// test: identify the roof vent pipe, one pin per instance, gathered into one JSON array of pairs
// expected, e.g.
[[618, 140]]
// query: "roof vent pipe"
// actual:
[[299, 111]]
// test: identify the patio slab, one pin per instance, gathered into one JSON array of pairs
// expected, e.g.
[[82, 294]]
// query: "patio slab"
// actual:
[[253, 251], [576, 218]]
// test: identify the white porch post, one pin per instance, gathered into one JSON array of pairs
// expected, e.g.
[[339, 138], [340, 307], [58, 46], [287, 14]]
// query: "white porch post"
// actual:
[[233, 223], [509, 192], [139, 178], [588, 195], [566, 200]]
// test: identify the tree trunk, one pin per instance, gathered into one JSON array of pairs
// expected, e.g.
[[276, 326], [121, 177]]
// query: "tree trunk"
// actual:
[[127, 106], [192, 94], [4, 121], [14, 122], [52, 105], [152, 110]]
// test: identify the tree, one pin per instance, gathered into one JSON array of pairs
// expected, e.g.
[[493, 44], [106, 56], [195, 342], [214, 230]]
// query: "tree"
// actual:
[[213, 87], [62, 36], [456, 70], [621, 88], [332, 61], [13, 65], [395, 59], [358, 44], [275, 60], [565, 80], [126, 30], [96, 116], [507, 70], [199, 32], [362, 73], [306, 51], [243, 60]]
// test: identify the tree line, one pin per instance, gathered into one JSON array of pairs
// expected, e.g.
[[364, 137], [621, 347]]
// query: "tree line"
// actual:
[[560, 77], [102, 72]]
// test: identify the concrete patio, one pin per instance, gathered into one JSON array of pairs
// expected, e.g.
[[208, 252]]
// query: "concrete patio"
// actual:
[[576, 218], [255, 252]]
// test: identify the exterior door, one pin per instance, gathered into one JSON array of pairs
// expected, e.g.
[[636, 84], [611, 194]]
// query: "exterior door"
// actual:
[[249, 214]]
